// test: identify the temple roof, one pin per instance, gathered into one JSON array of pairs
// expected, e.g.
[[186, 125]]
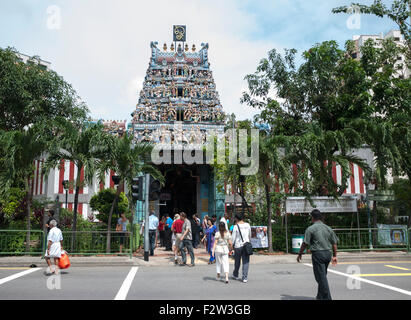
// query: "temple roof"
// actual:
[[179, 89]]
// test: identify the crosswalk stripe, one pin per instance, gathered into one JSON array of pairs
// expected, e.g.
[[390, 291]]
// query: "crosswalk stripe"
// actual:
[[18, 275], [122, 293]]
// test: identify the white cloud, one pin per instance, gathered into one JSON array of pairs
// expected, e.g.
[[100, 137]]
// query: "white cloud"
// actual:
[[103, 48]]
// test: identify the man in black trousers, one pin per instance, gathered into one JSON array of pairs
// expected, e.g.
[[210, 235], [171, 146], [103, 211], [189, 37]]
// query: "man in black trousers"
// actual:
[[167, 232], [321, 239]]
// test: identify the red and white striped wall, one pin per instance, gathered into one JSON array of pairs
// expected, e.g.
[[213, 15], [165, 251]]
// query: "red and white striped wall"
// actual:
[[67, 171], [355, 184], [38, 182]]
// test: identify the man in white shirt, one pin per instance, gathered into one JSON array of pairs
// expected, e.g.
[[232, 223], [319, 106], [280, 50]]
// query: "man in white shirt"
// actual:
[[54, 246], [241, 235], [152, 231]]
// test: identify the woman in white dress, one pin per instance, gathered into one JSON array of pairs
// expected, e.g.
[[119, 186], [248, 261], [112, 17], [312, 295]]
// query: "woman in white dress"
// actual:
[[54, 246], [221, 248]]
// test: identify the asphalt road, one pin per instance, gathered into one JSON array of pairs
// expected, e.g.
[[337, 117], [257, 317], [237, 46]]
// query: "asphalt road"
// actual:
[[377, 281]]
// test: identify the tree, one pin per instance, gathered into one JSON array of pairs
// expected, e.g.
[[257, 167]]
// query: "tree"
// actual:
[[319, 102], [29, 94], [84, 145], [103, 201], [33, 103], [127, 160], [18, 151]]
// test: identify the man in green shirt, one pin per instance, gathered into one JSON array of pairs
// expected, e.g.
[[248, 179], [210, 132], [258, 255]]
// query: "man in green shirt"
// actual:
[[321, 239]]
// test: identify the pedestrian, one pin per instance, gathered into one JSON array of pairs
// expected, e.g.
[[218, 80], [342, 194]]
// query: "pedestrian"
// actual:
[[168, 233], [209, 237], [241, 235], [177, 229], [121, 227], [321, 239], [54, 246], [161, 232], [224, 219], [196, 227], [186, 241], [214, 219], [204, 226], [50, 218], [221, 248], [152, 231]]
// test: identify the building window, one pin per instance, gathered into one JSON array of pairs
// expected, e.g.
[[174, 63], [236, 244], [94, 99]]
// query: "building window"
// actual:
[[180, 92]]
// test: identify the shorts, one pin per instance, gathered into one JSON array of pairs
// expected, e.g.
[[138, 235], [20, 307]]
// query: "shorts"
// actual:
[[178, 241], [122, 237]]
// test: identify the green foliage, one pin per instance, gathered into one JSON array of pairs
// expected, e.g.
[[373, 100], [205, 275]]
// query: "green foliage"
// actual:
[[83, 144], [29, 94], [103, 201], [313, 124], [127, 160], [66, 221], [13, 206]]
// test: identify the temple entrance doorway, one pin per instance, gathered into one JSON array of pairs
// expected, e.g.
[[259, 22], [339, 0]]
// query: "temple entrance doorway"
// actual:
[[180, 191]]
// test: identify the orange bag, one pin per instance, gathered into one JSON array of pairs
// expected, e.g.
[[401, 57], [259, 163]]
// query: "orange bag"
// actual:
[[64, 262]]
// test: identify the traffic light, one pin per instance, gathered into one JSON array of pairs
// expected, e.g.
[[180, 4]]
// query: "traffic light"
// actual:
[[137, 189], [155, 187]]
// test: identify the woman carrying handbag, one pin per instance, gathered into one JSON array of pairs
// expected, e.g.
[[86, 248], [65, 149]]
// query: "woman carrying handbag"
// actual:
[[242, 247]]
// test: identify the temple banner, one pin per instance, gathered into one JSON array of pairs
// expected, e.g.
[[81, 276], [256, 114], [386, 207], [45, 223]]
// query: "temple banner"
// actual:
[[391, 235], [324, 204], [259, 238]]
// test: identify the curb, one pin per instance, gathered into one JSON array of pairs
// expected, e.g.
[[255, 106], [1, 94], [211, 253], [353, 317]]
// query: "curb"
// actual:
[[164, 261]]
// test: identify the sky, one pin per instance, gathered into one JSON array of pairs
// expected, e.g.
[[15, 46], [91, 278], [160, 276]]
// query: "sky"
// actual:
[[102, 47]]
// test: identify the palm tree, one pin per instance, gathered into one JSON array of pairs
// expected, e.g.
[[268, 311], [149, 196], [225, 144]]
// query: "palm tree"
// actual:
[[19, 150], [127, 160], [82, 145], [273, 170]]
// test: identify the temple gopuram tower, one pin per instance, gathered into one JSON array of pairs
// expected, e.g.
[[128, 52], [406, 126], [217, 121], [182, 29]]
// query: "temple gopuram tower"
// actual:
[[179, 106]]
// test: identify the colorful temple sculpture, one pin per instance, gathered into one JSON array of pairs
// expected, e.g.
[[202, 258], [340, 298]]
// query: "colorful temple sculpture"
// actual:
[[179, 106], [178, 89]]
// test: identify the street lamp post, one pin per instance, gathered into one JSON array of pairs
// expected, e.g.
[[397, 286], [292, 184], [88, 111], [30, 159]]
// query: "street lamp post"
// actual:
[[65, 184], [367, 182], [116, 181]]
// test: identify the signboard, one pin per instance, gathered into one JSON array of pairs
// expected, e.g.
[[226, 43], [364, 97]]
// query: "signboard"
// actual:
[[381, 195], [391, 235], [179, 33], [259, 238], [324, 204], [381, 198]]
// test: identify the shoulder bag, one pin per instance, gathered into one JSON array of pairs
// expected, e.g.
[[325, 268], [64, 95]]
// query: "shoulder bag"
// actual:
[[247, 245]]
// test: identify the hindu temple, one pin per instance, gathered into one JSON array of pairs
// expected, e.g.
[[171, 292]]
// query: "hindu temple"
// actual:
[[179, 106]]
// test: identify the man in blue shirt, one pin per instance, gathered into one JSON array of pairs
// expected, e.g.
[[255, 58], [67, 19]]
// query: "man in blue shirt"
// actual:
[[152, 231], [168, 233]]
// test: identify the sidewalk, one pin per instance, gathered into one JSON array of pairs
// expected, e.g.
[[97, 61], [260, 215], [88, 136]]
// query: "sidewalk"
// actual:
[[166, 258]]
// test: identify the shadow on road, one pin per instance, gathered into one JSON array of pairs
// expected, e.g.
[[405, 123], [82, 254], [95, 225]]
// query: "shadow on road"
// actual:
[[211, 279]]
